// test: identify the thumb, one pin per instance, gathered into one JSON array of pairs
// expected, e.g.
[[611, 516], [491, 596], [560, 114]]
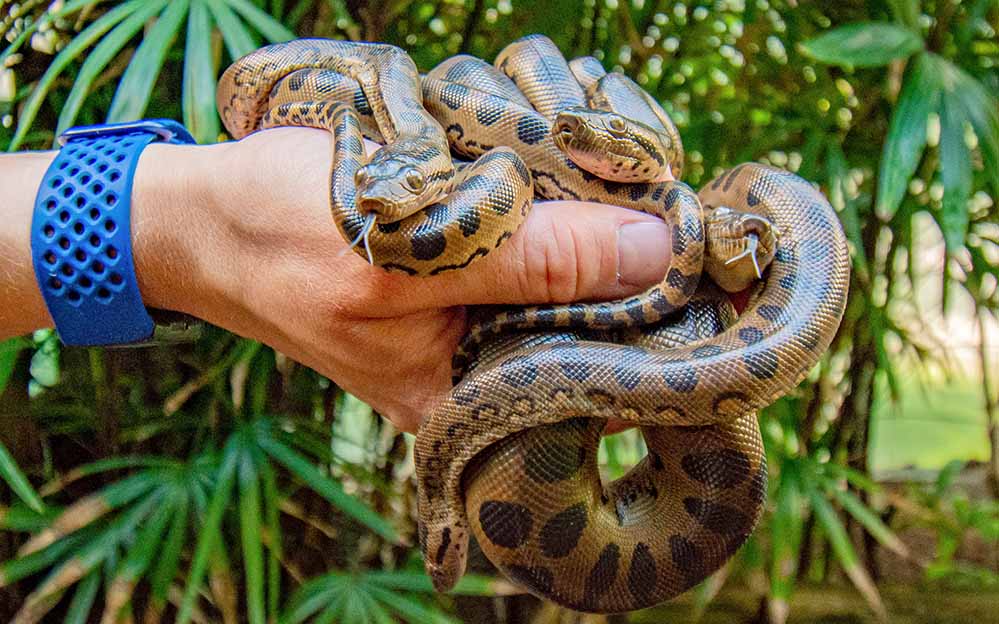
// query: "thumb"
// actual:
[[565, 251]]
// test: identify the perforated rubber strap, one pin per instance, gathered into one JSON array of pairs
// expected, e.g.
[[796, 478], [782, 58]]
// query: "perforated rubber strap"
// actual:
[[81, 233]]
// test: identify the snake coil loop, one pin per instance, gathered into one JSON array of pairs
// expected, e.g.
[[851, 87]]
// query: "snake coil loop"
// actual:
[[510, 454]]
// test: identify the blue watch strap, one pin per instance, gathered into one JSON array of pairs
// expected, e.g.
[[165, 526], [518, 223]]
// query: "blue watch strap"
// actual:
[[81, 233]]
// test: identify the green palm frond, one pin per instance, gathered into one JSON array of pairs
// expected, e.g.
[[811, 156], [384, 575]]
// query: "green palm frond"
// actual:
[[154, 25], [356, 598]]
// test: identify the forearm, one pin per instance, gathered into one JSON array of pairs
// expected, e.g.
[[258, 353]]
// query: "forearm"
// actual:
[[168, 200], [22, 308]]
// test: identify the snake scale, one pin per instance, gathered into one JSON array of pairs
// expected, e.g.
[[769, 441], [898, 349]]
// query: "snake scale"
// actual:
[[509, 455]]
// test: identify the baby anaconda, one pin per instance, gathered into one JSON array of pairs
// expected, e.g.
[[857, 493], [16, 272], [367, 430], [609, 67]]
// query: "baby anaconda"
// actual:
[[510, 454]]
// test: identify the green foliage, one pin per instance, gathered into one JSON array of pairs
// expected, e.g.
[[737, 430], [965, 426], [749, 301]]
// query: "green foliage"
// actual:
[[865, 44], [220, 481]]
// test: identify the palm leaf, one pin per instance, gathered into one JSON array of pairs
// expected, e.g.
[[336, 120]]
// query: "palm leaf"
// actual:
[[864, 44], [18, 482], [272, 520], [83, 560], [68, 54], [408, 607], [136, 85], [98, 59], [249, 525], [906, 139], [870, 520], [327, 488], [269, 27], [831, 525], [210, 529], [140, 557], [168, 563], [238, 40], [83, 599], [91, 508], [199, 76], [313, 596], [46, 19], [955, 173]]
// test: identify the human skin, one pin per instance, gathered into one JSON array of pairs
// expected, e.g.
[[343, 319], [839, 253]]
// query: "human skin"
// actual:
[[240, 234]]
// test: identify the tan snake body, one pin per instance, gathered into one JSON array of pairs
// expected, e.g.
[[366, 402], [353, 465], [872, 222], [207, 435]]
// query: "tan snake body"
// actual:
[[420, 229], [509, 455]]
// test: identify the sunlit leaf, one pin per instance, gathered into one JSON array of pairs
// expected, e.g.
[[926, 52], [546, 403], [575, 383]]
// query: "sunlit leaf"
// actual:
[[68, 54], [906, 139], [198, 97], [136, 85], [98, 59], [864, 44], [267, 25], [955, 173], [238, 40], [68, 9]]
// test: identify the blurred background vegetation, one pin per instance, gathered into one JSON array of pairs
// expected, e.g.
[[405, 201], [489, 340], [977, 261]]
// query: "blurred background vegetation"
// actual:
[[220, 482]]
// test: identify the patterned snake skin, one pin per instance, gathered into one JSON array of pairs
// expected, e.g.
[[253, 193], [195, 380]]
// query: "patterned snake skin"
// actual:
[[413, 211], [510, 454]]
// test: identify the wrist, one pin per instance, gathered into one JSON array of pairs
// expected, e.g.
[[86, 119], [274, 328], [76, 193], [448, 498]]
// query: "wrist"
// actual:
[[177, 241], [20, 176]]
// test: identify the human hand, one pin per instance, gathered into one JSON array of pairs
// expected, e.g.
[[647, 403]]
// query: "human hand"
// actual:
[[245, 240]]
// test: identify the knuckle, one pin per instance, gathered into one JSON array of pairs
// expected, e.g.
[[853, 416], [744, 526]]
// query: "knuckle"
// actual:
[[552, 264]]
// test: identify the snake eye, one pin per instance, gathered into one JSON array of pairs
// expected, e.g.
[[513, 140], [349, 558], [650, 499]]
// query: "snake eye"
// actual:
[[414, 181], [616, 124], [360, 177]]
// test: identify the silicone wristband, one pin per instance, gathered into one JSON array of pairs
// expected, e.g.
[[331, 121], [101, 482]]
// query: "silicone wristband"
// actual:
[[81, 233]]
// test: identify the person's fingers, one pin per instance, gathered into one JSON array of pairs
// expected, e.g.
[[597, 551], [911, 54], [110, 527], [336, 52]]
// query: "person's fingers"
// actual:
[[565, 251]]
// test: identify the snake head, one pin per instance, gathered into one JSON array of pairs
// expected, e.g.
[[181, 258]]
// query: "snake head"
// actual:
[[401, 179], [613, 147], [739, 247]]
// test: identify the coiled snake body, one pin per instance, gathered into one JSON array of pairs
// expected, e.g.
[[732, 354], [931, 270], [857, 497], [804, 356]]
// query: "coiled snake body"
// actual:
[[510, 454]]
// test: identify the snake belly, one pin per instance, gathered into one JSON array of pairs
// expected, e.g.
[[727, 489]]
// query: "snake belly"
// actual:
[[509, 455]]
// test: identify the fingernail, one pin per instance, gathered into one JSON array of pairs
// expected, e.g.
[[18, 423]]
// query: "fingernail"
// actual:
[[642, 250]]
